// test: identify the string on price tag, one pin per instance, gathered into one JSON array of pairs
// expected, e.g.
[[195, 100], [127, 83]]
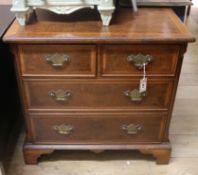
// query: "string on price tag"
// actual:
[[143, 81]]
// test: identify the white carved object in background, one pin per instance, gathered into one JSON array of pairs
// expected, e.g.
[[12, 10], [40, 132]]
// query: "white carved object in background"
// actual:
[[24, 8]]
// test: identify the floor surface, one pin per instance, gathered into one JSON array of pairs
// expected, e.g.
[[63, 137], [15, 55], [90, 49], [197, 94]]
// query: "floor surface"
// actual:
[[183, 135]]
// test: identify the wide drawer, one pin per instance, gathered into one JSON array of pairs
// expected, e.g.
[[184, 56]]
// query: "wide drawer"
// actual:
[[58, 60], [126, 60], [91, 128], [96, 94]]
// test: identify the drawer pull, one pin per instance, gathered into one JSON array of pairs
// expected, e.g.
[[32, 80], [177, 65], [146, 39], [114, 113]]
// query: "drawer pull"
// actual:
[[60, 95], [135, 95], [63, 129], [132, 129], [57, 60], [139, 60]]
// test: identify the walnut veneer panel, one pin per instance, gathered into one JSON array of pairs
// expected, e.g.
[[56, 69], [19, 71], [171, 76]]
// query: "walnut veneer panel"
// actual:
[[148, 25], [97, 128], [81, 60], [115, 60], [97, 95]]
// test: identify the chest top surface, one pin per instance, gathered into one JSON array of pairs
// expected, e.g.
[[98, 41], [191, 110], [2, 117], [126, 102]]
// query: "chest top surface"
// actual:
[[147, 25]]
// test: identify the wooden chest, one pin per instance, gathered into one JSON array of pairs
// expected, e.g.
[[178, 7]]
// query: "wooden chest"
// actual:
[[79, 81]]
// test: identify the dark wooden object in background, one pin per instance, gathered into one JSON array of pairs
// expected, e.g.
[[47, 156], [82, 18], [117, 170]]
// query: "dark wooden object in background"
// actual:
[[179, 6], [10, 120], [93, 112]]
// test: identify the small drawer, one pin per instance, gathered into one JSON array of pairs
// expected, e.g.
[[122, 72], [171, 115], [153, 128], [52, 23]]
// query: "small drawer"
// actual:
[[97, 95], [127, 60], [98, 128], [58, 60]]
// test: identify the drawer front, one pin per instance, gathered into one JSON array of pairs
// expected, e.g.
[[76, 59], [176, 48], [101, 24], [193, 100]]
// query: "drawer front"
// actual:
[[97, 128], [96, 95], [58, 60], [125, 60]]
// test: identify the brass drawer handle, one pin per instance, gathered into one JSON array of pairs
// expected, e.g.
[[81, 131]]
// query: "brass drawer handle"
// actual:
[[57, 60], [60, 95], [132, 129], [135, 95], [139, 60], [63, 129]]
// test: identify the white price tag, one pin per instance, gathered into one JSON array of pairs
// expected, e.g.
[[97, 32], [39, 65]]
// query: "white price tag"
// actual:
[[143, 85]]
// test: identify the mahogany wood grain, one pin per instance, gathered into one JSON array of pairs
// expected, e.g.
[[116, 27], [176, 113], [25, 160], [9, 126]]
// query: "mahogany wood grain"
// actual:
[[106, 127], [97, 95], [32, 155], [162, 155], [82, 60], [150, 25], [115, 63]]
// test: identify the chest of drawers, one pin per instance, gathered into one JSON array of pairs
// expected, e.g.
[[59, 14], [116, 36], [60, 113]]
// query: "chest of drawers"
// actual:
[[79, 81]]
